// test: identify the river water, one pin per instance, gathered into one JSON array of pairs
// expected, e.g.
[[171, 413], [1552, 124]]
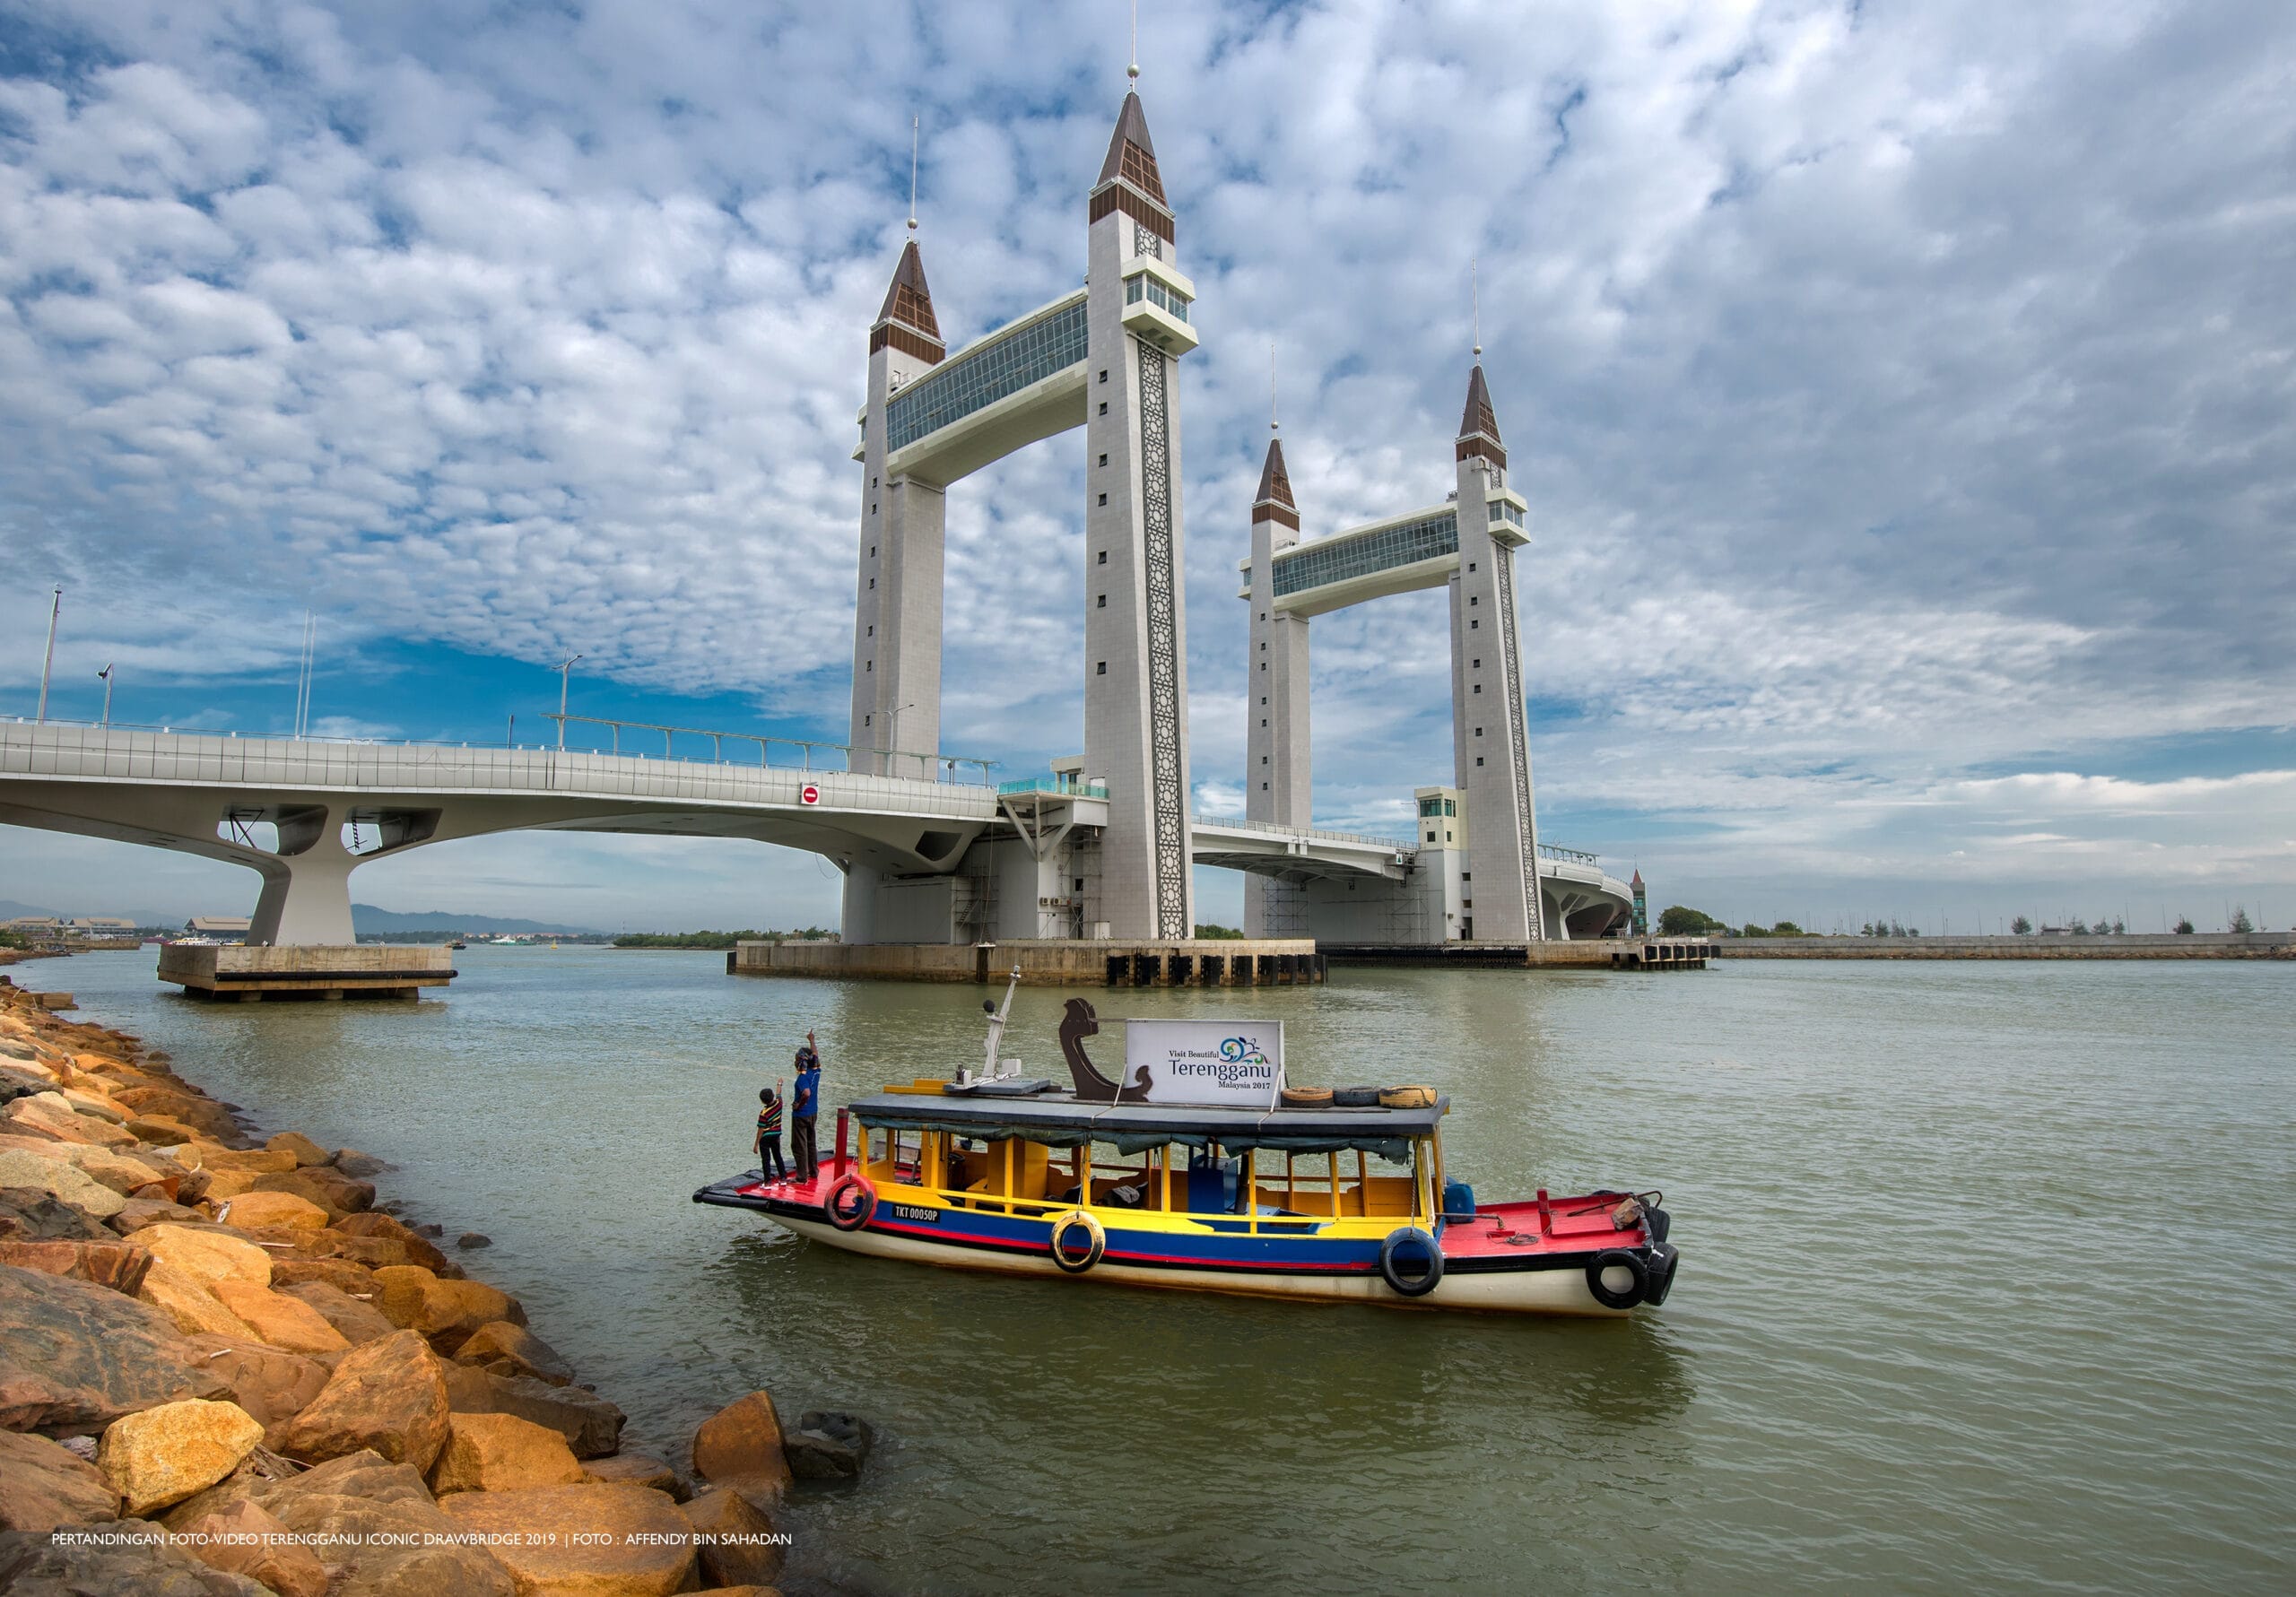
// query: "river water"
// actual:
[[1988, 1278]]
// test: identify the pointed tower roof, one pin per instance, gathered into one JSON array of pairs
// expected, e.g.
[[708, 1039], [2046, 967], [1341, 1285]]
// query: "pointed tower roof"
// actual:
[[1478, 417], [1638, 880], [1479, 423], [1132, 154], [907, 296], [906, 321], [1274, 502], [1129, 181]]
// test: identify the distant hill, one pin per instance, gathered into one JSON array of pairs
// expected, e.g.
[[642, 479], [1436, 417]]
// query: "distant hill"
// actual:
[[366, 921], [10, 908]]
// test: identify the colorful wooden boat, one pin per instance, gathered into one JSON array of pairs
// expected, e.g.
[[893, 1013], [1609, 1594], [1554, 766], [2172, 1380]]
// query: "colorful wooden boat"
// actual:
[[1330, 1202]]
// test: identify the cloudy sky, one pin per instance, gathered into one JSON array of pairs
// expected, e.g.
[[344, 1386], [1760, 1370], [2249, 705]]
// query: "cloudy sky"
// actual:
[[1903, 393]]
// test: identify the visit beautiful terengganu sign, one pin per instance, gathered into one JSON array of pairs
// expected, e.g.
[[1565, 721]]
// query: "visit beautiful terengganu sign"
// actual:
[[1235, 1065]]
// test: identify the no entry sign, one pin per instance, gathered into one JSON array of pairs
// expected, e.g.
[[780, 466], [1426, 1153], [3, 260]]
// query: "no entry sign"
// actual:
[[809, 794]]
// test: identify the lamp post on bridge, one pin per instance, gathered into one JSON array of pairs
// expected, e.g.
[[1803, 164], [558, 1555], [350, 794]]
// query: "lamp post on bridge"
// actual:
[[565, 674], [893, 739], [105, 676], [54, 608]]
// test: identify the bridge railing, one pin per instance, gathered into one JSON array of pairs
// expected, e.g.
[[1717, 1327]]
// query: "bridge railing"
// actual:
[[1277, 828], [1576, 856], [120, 752], [926, 762]]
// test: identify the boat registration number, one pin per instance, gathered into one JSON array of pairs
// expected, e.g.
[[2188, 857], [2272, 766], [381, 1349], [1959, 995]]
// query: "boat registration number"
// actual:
[[922, 1217]]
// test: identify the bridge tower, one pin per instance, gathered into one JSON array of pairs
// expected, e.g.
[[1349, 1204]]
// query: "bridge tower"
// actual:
[[1277, 771], [1136, 624], [897, 593], [1491, 740]]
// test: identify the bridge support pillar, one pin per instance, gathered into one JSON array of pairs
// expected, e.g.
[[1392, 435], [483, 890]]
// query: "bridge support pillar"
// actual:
[[306, 894]]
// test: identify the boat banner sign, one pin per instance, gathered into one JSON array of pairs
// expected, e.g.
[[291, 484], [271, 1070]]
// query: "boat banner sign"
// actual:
[[1232, 1063]]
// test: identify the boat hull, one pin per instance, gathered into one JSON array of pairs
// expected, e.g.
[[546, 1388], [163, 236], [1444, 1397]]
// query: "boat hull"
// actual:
[[1300, 1268]]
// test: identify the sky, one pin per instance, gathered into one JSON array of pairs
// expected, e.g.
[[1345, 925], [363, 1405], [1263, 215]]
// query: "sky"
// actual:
[[1902, 393]]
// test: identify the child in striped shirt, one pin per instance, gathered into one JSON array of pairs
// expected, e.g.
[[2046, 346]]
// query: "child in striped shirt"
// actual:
[[768, 1133]]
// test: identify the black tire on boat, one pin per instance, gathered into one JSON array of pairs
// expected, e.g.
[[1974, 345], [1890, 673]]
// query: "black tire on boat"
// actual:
[[1355, 1098], [1098, 1241], [1617, 1258], [1663, 1261], [1411, 1285], [853, 1182]]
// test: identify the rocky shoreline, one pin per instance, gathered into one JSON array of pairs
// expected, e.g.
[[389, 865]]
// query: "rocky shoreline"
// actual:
[[224, 1369]]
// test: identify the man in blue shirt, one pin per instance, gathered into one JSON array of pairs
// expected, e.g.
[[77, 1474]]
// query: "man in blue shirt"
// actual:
[[804, 1110]]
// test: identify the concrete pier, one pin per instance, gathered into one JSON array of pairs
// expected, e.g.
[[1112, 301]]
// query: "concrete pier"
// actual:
[[1046, 962], [1598, 954], [244, 974]]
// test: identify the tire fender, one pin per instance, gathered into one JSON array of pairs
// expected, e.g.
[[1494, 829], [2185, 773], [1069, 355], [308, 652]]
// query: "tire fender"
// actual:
[[1618, 1258], [1405, 1286], [1064, 1223], [865, 1201]]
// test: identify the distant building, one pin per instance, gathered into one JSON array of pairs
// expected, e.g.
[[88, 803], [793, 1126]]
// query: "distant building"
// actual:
[[30, 923], [100, 924], [223, 928]]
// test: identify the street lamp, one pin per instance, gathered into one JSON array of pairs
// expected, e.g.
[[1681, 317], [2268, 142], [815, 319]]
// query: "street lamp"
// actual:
[[565, 673], [54, 608], [105, 676], [892, 739]]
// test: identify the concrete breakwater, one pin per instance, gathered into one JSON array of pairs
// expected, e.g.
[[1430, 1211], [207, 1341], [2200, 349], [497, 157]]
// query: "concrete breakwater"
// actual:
[[2197, 945], [226, 1369]]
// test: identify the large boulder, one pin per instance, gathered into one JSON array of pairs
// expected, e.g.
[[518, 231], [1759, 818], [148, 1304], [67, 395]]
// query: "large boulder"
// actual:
[[591, 1425], [388, 1396], [733, 1539], [140, 1212], [377, 1519], [503, 1348], [828, 1445], [138, 1563], [324, 1185], [75, 1356], [53, 1116], [251, 1161], [305, 1151], [355, 1281], [44, 1486], [636, 1542], [252, 1210], [59, 1177], [636, 1469], [208, 1253], [417, 1248], [280, 1320], [245, 1538], [213, 1121], [34, 1214], [445, 1311], [185, 1299], [270, 1382], [356, 1321], [123, 1172], [158, 1457], [351, 1162], [119, 1265], [490, 1452], [740, 1446]]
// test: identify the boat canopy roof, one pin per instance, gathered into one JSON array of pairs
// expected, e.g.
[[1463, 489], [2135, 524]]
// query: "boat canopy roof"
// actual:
[[1061, 1120]]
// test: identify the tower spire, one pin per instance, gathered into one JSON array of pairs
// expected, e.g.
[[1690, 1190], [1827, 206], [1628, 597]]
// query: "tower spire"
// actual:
[[1131, 72], [1475, 297], [912, 176], [1272, 423]]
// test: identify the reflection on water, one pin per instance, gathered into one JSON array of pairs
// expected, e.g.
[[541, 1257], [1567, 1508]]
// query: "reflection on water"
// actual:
[[1955, 1307]]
